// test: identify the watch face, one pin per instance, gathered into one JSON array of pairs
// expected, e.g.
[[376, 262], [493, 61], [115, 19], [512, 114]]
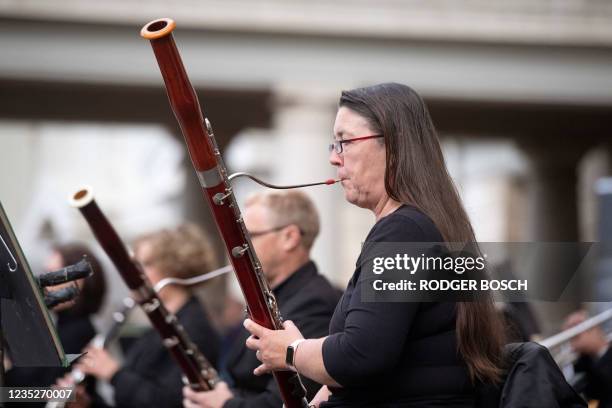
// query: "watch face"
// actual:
[[289, 356]]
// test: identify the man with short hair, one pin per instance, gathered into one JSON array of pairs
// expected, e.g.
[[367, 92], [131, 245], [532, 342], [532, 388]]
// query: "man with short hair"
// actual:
[[595, 359], [283, 228]]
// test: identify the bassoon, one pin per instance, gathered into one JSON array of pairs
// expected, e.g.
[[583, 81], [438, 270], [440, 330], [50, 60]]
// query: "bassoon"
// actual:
[[212, 174], [198, 373]]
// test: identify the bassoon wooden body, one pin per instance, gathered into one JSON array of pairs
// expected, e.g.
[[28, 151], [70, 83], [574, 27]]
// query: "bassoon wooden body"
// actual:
[[198, 373], [218, 192]]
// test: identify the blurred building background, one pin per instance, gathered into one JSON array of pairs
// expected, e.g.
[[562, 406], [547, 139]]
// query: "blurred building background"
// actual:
[[521, 92]]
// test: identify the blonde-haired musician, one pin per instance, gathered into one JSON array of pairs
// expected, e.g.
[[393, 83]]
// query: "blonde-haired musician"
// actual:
[[283, 227]]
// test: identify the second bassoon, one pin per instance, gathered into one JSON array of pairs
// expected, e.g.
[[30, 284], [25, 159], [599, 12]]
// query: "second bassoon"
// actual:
[[197, 371]]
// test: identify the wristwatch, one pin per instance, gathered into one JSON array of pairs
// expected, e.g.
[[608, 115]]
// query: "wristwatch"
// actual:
[[291, 352]]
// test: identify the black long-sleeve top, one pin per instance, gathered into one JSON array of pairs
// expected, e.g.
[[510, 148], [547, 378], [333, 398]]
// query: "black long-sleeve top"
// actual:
[[395, 354], [150, 377], [306, 298], [598, 377]]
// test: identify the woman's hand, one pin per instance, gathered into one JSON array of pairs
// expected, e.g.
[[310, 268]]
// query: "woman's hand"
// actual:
[[8, 364], [207, 399], [271, 345], [99, 363], [322, 396], [82, 399]]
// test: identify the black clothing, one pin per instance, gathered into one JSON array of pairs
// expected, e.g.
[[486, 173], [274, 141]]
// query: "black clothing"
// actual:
[[532, 380], [395, 354], [150, 377], [598, 377], [307, 299], [520, 322], [75, 332]]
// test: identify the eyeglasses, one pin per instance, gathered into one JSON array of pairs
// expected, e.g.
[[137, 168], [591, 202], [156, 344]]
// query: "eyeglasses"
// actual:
[[337, 145], [147, 263], [255, 234]]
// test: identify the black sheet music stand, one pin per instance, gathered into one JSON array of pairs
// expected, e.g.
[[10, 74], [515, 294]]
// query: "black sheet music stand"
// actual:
[[26, 325]]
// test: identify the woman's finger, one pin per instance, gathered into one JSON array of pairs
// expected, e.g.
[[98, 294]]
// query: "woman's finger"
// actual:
[[254, 328], [188, 393], [253, 343], [188, 404], [261, 370], [289, 325]]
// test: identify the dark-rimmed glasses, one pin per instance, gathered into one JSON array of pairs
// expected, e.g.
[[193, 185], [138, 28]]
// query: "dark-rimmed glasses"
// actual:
[[336, 146], [255, 234]]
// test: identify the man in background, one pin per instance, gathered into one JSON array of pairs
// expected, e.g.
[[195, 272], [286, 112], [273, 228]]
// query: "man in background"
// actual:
[[283, 228], [595, 360]]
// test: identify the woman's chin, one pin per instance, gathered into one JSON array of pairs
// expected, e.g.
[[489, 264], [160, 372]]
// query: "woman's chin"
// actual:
[[351, 197]]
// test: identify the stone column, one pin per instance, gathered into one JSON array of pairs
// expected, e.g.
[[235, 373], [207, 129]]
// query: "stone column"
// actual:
[[303, 124], [553, 211], [488, 176], [595, 164], [595, 205]]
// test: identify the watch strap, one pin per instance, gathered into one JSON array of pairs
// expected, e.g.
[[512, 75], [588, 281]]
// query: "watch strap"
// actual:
[[291, 352]]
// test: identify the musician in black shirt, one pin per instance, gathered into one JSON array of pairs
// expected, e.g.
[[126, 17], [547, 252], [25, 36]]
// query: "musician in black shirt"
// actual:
[[595, 360], [393, 354], [283, 227], [149, 377]]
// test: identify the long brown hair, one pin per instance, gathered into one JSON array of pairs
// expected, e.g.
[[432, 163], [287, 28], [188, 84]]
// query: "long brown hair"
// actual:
[[416, 174]]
